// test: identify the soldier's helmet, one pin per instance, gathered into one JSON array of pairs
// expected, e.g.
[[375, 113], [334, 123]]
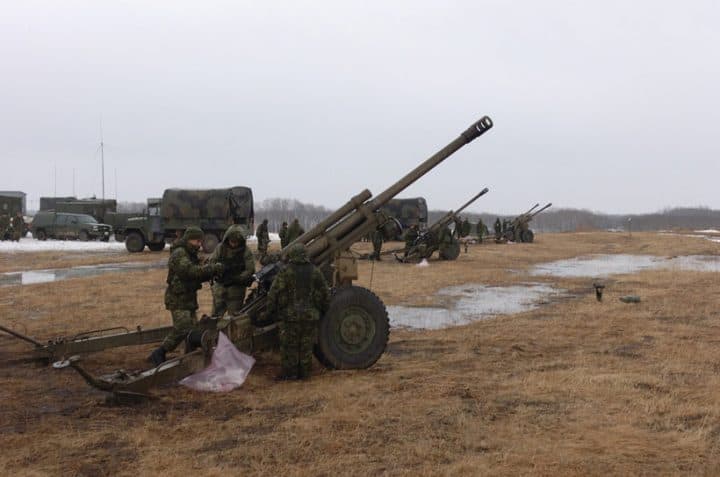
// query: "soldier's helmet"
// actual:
[[297, 253], [193, 233], [237, 233]]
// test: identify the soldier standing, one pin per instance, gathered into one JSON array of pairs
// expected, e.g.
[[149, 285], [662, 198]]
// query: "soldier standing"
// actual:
[[228, 289], [377, 241], [298, 298], [4, 227], [294, 231], [283, 235], [185, 277], [498, 229], [263, 238], [480, 230], [18, 226]]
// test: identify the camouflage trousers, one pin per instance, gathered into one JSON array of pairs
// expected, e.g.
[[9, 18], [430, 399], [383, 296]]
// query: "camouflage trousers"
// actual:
[[262, 247], [297, 339], [184, 321], [227, 299]]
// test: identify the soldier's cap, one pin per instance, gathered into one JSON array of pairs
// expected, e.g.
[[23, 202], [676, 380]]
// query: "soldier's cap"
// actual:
[[193, 233], [297, 253]]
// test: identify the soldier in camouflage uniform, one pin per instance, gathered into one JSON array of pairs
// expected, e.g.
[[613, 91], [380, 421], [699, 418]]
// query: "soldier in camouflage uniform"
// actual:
[[377, 241], [18, 226], [480, 230], [410, 237], [498, 229], [4, 227], [228, 289], [298, 297], [185, 277], [263, 238], [283, 235], [294, 231]]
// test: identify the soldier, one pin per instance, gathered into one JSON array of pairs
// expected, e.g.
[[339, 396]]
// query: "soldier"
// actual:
[[480, 230], [4, 227], [283, 235], [185, 277], [228, 289], [410, 237], [294, 231], [298, 297], [18, 226], [377, 241], [498, 229], [263, 238]]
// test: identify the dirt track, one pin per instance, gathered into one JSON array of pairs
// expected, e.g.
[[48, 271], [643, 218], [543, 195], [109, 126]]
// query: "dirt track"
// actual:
[[573, 387]]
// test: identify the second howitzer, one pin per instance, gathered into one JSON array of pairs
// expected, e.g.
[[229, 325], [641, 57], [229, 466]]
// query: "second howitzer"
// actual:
[[438, 238], [354, 331], [519, 228]]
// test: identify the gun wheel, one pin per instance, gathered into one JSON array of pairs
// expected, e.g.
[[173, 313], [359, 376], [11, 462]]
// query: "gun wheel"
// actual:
[[354, 332], [528, 236], [450, 251]]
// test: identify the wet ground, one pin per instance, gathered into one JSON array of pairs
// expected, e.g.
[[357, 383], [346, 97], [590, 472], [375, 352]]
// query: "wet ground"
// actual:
[[606, 265], [30, 277], [467, 303]]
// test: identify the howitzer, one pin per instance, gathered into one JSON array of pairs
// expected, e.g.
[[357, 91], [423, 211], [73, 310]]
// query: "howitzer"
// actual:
[[518, 230], [352, 334], [438, 237]]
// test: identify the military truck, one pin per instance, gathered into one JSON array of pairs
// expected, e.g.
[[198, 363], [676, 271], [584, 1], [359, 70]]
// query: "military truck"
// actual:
[[11, 202], [213, 210], [49, 203], [98, 208], [408, 212]]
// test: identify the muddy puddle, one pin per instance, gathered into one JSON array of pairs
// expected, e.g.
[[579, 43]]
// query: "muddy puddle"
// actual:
[[467, 303], [606, 265], [31, 277]]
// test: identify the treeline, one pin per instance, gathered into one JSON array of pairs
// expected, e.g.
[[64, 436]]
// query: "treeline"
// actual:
[[572, 220], [279, 210]]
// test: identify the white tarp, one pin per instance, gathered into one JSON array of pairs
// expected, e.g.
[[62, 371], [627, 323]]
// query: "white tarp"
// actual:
[[228, 369]]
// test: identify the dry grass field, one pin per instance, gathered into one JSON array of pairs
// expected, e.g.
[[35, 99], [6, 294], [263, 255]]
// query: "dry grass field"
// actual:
[[573, 387]]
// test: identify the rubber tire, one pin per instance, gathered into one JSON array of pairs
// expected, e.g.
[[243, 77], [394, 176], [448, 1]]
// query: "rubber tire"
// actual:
[[156, 246], [83, 236], [329, 349], [134, 242], [509, 235], [450, 251], [119, 237], [528, 236], [40, 235], [210, 241]]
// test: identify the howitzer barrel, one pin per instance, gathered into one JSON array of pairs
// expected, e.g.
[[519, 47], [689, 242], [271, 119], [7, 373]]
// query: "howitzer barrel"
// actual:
[[348, 230], [546, 206], [450, 215]]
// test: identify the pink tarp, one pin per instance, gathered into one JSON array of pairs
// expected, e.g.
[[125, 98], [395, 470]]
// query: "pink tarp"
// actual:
[[228, 369]]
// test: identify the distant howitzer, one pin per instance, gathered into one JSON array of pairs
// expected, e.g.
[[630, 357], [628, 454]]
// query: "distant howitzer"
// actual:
[[352, 334], [519, 230], [438, 237]]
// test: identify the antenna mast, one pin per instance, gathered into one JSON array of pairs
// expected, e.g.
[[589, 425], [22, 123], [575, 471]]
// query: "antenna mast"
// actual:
[[102, 161]]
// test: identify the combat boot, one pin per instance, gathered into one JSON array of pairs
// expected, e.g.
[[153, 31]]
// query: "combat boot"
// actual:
[[157, 357]]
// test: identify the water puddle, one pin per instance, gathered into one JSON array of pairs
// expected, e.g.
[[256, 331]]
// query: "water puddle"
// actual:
[[606, 265], [31, 277], [468, 303]]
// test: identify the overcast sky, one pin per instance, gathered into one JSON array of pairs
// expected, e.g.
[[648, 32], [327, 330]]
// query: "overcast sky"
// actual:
[[612, 106]]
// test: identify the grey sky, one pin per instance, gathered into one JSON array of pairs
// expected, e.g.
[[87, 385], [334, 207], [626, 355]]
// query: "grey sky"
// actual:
[[611, 106]]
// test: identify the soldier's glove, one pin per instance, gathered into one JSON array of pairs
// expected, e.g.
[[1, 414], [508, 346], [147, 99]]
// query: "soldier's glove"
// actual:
[[218, 269]]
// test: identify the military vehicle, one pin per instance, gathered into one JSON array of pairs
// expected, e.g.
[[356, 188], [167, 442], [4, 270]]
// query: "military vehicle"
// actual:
[[408, 212], [98, 208], [213, 210], [60, 225], [518, 230], [49, 203], [438, 238], [352, 334], [11, 202]]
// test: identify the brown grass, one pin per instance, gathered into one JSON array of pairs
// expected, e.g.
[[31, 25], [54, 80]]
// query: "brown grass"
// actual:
[[575, 387]]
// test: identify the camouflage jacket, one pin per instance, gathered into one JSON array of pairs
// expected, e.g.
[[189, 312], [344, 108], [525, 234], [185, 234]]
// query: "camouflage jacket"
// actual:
[[239, 262], [298, 293], [262, 234], [294, 231], [185, 277], [283, 234]]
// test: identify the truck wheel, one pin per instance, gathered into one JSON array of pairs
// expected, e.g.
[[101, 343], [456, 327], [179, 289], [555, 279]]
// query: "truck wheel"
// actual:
[[156, 246], [450, 251], [40, 234], [210, 241], [83, 236], [528, 236], [354, 332], [134, 242]]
